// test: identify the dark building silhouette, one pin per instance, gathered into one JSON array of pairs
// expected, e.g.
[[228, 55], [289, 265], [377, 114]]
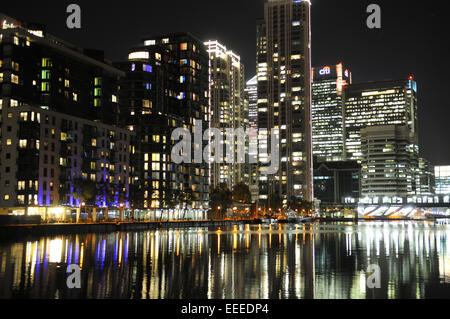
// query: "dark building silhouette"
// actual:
[[334, 182]]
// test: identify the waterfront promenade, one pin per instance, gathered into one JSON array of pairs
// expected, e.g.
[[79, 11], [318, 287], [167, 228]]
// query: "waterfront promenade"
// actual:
[[13, 231]]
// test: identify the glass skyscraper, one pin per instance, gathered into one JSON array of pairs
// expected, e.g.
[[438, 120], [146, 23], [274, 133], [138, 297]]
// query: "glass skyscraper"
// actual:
[[378, 103], [328, 112]]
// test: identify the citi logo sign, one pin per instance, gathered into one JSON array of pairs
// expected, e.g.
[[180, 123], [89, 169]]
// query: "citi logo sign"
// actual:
[[325, 71]]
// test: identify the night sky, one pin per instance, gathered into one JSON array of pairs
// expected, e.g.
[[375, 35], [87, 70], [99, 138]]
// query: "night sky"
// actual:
[[413, 40]]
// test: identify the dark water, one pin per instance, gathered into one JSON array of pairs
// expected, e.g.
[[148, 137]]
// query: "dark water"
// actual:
[[283, 261]]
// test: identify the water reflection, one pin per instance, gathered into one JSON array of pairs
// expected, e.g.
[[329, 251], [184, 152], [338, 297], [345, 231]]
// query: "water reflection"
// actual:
[[281, 261]]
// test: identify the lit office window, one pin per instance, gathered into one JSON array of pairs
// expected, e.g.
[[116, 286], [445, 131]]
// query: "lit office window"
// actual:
[[147, 68]]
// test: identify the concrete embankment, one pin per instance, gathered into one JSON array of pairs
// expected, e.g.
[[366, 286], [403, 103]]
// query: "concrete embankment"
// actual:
[[14, 231]]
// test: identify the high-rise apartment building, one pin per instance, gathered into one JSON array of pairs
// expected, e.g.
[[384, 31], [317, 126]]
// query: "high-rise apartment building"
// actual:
[[59, 114], [328, 111], [228, 110], [40, 69], [378, 103], [284, 100], [166, 88]]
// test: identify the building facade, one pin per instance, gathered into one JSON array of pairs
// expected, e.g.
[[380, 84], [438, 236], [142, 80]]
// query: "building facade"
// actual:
[[378, 103], [284, 100], [328, 111], [389, 161], [426, 182], [59, 115], [228, 110], [166, 88], [50, 158], [337, 183], [442, 175], [251, 95], [40, 69]]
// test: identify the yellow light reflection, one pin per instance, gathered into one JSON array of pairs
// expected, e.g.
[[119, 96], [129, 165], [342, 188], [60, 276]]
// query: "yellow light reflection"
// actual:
[[55, 250]]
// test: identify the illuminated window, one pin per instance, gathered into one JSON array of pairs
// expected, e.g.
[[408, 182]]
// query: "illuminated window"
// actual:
[[183, 46], [9, 142], [97, 92], [21, 199], [24, 116], [23, 143], [45, 87], [6, 197], [147, 68], [147, 104], [1, 77], [182, 79], [97, 81], [66, 83], [97, 102], [46, 63], [158, 56], [138, 55], [94, 142], [114, 99], [14, 103], [156, 157], [45, 75], [15, 66], [14, 79], [75, 97]]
